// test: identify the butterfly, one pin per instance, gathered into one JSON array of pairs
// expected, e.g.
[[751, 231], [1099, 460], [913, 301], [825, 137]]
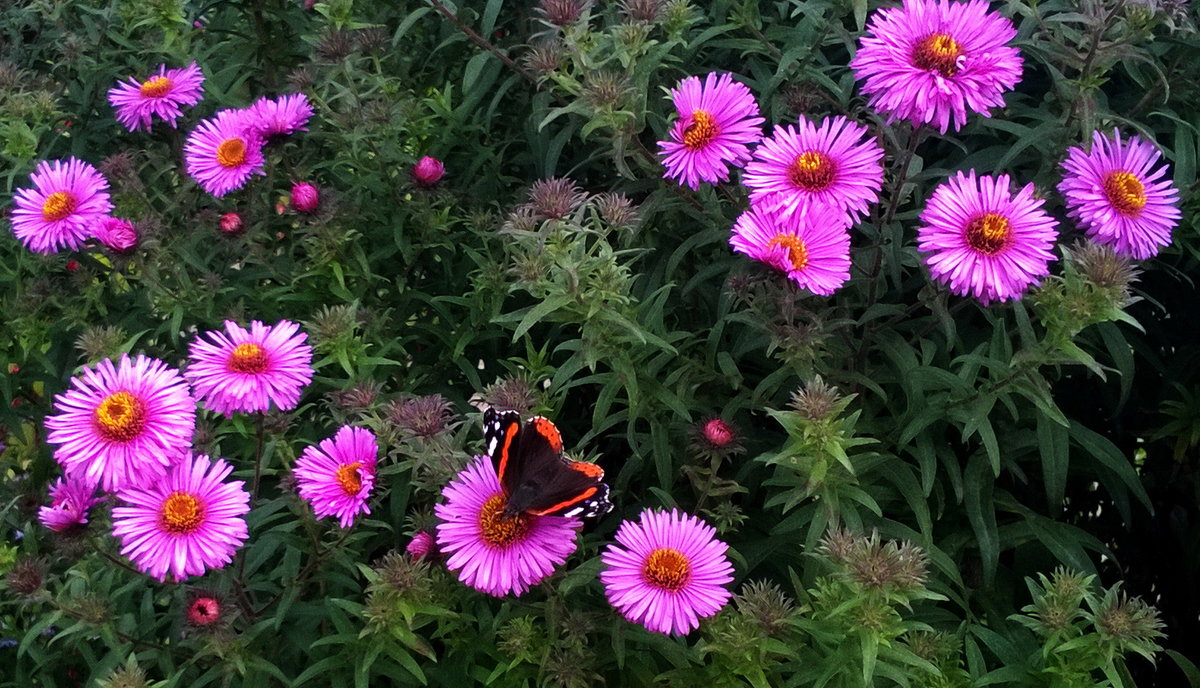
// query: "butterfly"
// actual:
[[537, 479]]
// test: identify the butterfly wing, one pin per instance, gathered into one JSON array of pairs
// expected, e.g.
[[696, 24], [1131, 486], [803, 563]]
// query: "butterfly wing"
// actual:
[[501, 430], [539, 481]]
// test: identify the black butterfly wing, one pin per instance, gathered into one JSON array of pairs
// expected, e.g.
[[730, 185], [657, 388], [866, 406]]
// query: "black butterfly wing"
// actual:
[[501, 432]]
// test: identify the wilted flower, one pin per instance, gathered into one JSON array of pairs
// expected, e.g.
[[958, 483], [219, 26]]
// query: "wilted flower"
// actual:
[[101, 341], [511, 393], [427, 172], [605, 89], [306, 198], [816, 400], [117, 234], [561, 12], [1104, 267], [617, 210], [764, 602], [642, 10], [334, 45], [1128, 620], [556, 197], [361, 395], [420, 416], [26, 577], [545, 57]]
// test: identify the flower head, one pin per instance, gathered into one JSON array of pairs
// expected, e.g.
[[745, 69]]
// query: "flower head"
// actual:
[[337, 476], [246, 371], [204, 610], [306, 198], [185, 524], [224, 151], [811, 247], [61, 210], [272, 117], [1120, 196], [231, 223], [717, 122], [836, 163], [159, 95], [929, 60], [491, 553], [982, 240], [666, 571], [70, 500], [124, 424], [119, 235], [427, 172]]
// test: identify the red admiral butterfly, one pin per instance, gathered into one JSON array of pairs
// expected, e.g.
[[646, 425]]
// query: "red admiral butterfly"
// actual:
[[536, 477]]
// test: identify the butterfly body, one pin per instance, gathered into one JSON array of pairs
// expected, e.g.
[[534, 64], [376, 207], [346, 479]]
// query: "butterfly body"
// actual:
[[535, 476]]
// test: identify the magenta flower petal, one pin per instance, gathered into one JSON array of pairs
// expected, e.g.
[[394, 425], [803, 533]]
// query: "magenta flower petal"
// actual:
[[240, 371], [337, 476], [160, 95], [122, 425], [70, 500], [224, 151], [983, 241], [189, 522], [1120, 195], [836, 163], [929, 61], [667, 571], [67, 201], [717, 122], [493, 554], [811, 246], [271, 117]]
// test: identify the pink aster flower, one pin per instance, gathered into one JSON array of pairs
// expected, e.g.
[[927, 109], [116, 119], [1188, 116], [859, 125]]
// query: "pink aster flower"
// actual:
[[189, 522], [427, 172], [124, 424], [717, 121], [1118, 197], [812, 246], [272, 117], [337, 476], [120, 236], [667, 571], [60, 211], [982, 240], [161, 94], [930, 60], [491, 553], [245, 371], [223, 152], [836, 163], [70, 500]]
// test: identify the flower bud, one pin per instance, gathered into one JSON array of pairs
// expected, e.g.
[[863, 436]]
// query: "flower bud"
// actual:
[[427, 172], [231, 224], [117, 234], [305, 197]]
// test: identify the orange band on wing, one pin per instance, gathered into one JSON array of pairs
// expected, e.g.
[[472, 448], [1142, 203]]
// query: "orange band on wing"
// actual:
[[591, 470], [546, 428], [510, 433], [563, 505]]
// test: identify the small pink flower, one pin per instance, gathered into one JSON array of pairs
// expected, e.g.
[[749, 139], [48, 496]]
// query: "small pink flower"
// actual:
[[70, 500], [718, 433], [422, 546], [119, 235], [231, 223], [204, 611], [427, 172], [305, 197]]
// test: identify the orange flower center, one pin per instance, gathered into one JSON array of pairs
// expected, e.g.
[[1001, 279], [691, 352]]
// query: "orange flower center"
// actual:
[[497, 530], [120, 417], [989, 234], [938, 53], [812, 171], [666, 568], [157, 87], [797, 251], [348, 478], [231, 153], [701, 131], [1125, 191], [57, 206], [248, 358], [181, 513]]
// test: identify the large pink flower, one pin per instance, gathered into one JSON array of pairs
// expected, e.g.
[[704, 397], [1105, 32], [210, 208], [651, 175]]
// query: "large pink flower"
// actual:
[[67, 201], [812, 246], [159, 95], [240, 371], [337, 476], [929, 61], [223, 152], [717, 122]]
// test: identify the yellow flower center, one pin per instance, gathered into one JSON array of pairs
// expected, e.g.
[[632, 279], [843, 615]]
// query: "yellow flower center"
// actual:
[[348, 478], [938, 53], [248, 358], [666, 568], [120, 417], [812, 171], [182, 513], [1125, 191], [797, 251], [231, 153], [497, 530], [157, 87], [701, 131], [57, 206], [989, 234]]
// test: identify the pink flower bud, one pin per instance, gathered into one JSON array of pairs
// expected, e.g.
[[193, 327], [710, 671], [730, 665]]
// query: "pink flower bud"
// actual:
[[305, 197], [422, 546], [204, 611], [117, 234], [718, 433], [231, 223], [427, 172]]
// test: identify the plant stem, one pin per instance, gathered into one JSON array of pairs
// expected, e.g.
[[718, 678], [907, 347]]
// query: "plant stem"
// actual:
[[481, 41]]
